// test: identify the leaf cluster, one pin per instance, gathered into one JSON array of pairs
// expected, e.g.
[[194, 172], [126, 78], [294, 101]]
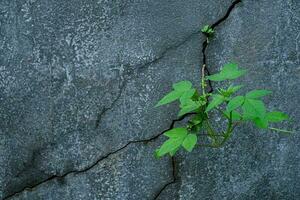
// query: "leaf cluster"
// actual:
[[235, 109], [208, 31]]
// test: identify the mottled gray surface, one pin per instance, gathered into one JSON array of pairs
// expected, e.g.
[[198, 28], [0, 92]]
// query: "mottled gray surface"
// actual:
[[79, 80], [263, 37]]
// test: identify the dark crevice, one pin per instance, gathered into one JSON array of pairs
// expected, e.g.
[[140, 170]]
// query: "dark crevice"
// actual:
[[204, 62], [162, 55], [174, 178], [32, 187], [229, 10], [140, 66], [205, 43], [104, 110]]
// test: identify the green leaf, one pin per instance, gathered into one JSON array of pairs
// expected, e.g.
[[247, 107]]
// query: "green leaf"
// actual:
[[276, 116], [234, 103], [235, 74], [253, 108], [189, 106], [176, 133], [217, 100], [172, 153], [169, 146], [182, 86], [254, 94], [205, 28], [190, 142], [261, 122], [229, 67], [235, 115], [232, 89], [216, 77], [229, 71], [186, 96], [196, 119], [170, 97], [156, 153]]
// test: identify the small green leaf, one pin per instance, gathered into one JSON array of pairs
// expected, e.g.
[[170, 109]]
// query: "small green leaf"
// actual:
[[229, 67], [197, 119], [169, 146], [186, 96], [235, 74], [253, 108], [156, 153], [232, 89], [176, 133], [189, 106], [205, 29], [229, 71], [217, 100], [254, 94], [235, 115], [172, 153], [276, 116], [182, 86], [261, 122], [234, 103], [190, 142], [170, 97], [216, 77]]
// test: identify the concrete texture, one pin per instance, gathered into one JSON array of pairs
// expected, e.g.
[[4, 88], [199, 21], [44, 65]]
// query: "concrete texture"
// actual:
[[79, 81]]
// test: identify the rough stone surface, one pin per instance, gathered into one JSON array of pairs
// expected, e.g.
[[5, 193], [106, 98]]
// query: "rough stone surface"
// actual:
[[79, 81], [120, 176], [263, 37]]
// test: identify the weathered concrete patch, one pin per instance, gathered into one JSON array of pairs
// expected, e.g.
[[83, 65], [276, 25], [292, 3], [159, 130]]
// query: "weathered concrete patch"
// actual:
[[75, 83], [263, 37], [132, 173]]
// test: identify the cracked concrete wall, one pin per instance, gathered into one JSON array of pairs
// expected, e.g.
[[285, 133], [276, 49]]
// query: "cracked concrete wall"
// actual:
[[79, 81]]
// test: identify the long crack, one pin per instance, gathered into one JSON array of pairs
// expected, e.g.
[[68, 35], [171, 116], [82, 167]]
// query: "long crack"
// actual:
[[174, 179], [204, 62], [141, 66], [30, 188], [105, 110], [123, 85]]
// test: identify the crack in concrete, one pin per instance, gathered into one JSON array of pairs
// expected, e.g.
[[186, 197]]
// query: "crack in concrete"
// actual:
[[123, 86], [105, 110], [141, 66], [204, 47], [174, 179], [31, 188]]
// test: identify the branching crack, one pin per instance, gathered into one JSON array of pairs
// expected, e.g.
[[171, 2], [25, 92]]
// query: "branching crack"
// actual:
[[174, 179], [204, 62], [30, 188], [122, 87], [141, 66]]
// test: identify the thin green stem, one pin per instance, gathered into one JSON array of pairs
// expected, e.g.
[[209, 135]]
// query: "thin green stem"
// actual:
[[280, 130]]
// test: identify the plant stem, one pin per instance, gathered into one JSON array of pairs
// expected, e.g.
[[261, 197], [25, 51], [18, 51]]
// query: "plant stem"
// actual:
[[280, 130]]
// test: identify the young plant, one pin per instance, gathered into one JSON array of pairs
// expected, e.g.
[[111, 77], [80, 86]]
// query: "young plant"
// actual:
[[208, 31], [235, 109]]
